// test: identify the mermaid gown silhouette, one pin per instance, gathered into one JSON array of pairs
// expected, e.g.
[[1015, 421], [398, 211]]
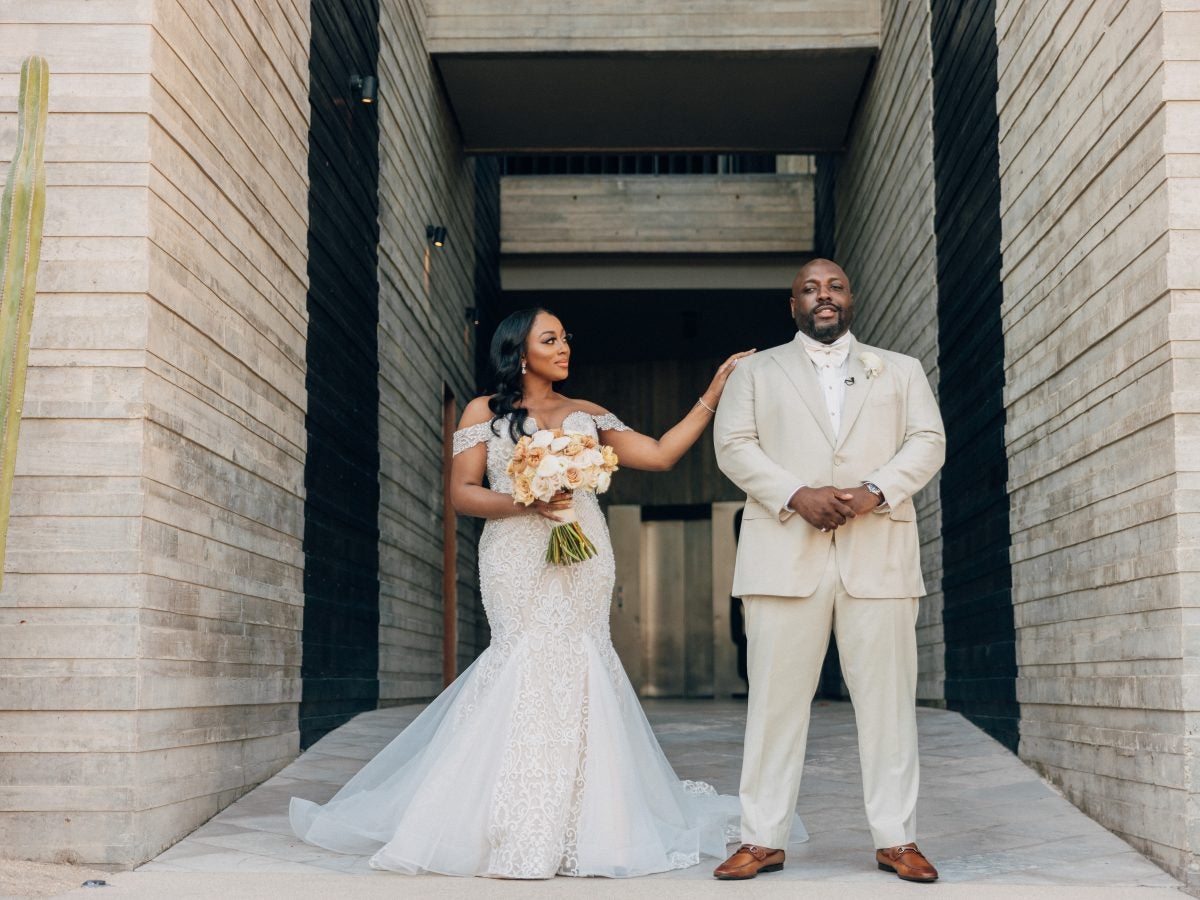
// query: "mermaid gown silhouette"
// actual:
[[538, 760]]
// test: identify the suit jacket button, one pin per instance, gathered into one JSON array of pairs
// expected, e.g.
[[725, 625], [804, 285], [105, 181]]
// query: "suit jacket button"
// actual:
[[838, 460]]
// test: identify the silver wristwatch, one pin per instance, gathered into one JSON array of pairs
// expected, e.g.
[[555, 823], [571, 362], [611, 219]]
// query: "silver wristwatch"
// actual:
[[874, 489]]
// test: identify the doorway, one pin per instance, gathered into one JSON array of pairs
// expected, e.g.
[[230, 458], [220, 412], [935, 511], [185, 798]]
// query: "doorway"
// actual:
[[671, 621]]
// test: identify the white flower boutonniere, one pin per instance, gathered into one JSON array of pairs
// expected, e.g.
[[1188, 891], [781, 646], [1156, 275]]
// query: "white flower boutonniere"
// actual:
[[871, 363]]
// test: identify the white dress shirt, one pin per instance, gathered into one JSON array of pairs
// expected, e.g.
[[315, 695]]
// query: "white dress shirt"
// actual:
[[832, 364]]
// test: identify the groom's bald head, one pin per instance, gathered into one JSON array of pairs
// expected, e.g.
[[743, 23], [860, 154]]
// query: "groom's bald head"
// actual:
[[821, 301]]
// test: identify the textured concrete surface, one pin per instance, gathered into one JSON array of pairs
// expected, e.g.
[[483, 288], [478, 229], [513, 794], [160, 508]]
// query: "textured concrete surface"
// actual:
[[991, 825]]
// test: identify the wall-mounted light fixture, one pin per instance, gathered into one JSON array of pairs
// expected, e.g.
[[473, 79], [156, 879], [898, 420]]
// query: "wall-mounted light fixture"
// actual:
[[366, 87], [436, 235]]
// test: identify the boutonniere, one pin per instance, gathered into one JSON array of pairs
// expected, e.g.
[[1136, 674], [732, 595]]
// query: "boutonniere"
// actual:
[[872, 364]]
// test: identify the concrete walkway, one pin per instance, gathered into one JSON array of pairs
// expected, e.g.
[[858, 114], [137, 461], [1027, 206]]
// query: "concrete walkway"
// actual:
[[990, 824]]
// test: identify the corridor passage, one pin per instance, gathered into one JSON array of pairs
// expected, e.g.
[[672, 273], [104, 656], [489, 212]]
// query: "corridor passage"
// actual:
[[992, 826]]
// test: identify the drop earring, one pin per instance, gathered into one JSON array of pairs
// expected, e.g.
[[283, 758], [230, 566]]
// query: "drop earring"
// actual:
[[522, 367]]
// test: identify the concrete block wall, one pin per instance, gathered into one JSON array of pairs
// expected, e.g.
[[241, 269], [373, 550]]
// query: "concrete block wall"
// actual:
[[149, 621], [1098, 218], [883, 203], [1181, 93], [545, 26], [657, 214], [426, 343]]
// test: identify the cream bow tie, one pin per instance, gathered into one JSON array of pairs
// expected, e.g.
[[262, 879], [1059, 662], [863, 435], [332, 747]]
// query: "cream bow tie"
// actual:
[[826, 355]]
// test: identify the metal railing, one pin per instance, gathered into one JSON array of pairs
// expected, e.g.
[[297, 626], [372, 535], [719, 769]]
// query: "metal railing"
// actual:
[[640, 164]]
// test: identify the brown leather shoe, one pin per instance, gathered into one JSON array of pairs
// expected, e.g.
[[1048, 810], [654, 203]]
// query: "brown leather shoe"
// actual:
[[907, 862], [748, 861]]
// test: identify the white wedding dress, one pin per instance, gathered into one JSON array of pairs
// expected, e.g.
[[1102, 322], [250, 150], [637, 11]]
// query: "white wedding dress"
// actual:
[[538, 760]]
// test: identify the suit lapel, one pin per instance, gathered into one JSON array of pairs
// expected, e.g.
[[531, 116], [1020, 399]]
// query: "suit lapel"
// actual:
[[800, 372], [856, 393]]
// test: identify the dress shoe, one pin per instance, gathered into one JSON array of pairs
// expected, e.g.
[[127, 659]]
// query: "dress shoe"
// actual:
[[907, 862], [748, 861]]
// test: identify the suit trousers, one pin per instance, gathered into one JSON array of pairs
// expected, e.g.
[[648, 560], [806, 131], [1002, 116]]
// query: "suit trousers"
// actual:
[[788, 637]]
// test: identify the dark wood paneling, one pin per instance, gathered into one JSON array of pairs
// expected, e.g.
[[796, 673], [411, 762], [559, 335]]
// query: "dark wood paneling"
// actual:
[[825, 206], [341, 533], [652, 397], [473, 632], [977, 578], [647, 356]]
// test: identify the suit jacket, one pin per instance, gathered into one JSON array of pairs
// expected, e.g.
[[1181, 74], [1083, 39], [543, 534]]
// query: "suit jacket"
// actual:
[[773, 434]]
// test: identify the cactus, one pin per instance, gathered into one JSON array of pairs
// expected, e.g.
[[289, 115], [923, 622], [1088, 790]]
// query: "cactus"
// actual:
[[22, 209]]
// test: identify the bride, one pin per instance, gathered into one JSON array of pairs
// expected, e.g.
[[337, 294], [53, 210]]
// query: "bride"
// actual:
[[538, 760]]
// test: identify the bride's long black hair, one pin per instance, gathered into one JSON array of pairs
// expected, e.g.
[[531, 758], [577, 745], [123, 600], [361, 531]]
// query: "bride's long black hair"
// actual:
[[508, 346]]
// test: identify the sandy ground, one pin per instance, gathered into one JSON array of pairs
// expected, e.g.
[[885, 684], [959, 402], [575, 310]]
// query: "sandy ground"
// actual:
[[20, 878]]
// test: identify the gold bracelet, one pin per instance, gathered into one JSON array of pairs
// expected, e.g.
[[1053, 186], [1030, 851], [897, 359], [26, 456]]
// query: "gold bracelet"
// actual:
[[700, 400]]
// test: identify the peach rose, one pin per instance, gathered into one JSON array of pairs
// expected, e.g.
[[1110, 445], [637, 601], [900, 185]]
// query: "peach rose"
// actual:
[[522, 489]]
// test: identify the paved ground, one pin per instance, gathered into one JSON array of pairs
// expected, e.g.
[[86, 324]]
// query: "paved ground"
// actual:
[[990, 824]]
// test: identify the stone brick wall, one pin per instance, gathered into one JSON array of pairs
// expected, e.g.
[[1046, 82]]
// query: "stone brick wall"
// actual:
[[150, 613], [883, 202], [1098, 288], [426, 344]]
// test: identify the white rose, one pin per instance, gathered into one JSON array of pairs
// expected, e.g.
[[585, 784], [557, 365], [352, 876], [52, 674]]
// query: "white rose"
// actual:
[[591, 458], [559, 444], [872, 364], [551, 466], [542, 488], [603, 480], [541, 439]]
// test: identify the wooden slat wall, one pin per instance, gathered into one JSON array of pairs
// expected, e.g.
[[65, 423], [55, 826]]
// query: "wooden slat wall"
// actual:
[[150, 616], [224, 438], [426, 341], [341, 512], [883, 205], [70, 610], [473, 26], [976, 576], [473, 633], [657, 214], [1095, 444]]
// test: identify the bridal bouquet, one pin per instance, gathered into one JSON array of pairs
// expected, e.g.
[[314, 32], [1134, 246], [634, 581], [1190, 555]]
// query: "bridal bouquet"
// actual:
[[548, 462]]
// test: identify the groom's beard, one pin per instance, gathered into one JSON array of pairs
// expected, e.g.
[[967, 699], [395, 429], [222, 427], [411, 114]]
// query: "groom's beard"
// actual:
[[825, 332]]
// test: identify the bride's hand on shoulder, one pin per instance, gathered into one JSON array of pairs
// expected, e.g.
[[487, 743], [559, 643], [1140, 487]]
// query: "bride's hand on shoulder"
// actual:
[[712, 394]]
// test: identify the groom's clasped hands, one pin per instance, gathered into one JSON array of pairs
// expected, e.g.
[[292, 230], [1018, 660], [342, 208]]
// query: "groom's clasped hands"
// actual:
[[828, 507]]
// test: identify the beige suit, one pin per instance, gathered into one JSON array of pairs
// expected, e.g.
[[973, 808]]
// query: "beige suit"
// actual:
[[773, 434]]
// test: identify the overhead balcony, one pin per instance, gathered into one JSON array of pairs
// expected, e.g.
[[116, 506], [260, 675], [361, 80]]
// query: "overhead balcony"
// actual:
[[625, 75], [643, 232]]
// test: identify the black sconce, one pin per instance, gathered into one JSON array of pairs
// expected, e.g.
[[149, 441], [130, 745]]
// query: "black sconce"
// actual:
[[367, 87], [436, 235]]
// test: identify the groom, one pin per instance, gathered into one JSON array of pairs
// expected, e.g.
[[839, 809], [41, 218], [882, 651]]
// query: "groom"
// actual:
[[830, 439]]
